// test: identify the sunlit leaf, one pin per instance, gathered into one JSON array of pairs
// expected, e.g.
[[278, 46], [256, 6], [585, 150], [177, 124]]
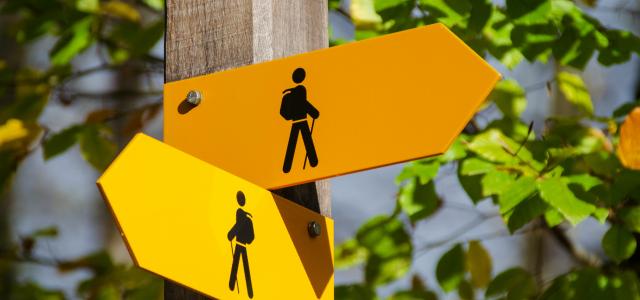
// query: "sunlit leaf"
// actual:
[[618, 243], [363, 14], [119, 9], [11, 131], [556, 193], [88, 5], [155, 4], [389, 248], [450, 269], [496, 182], [425, 170], [475, 166], [516, 192], [418, 200], [629, 147], [349, 253], [575, 91], [74, 40]]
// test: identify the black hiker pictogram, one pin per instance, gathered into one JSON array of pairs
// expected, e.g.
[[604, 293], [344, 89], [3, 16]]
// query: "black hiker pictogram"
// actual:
[[296, 107], [242, 231]]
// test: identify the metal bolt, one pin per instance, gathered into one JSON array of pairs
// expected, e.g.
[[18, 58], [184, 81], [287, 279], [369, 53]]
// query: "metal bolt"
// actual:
[[194, 97], [314, 229]]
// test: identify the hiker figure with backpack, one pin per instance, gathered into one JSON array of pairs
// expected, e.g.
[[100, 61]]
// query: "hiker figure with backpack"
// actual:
[[242, 231], [295, 107]]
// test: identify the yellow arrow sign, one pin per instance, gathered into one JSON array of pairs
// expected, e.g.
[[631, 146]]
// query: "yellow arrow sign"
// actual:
[[363, 105], [216, 233]]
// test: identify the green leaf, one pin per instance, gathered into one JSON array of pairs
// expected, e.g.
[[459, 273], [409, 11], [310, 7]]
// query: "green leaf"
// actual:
[[383, 270], [456, 151], [529, 11], [618, 243], [30, 290], [624, 109], [621, 45], [155, 4], [45, 232], [355, 291], [424, 169], [96, 148], [575, 91], [480, 15], [526, 211], [61, 142], [631, 217], [120, 9], [408, 295], [496, 182], [73, 41], [418, 200], [88, 5], [389, 247], [494, 146], [510, 98], [472, 185], [134, 40], [479, 264], [515, 283], [449, 13], [591, 283], [556, 193], [363, 14], [553, 217], [108, 292], [586, 181], [534, 41], [475, 166], [349, 253], [516, 192], [450, 269], [465, 291], [626, 184]]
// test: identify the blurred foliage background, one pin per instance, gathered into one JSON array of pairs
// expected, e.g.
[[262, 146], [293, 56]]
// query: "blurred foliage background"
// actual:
[[541, 177]]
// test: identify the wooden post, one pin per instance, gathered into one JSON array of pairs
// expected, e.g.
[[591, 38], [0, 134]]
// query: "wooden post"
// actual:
[[206, 36]]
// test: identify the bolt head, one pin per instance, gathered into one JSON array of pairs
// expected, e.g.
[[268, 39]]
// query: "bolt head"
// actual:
[[194, 97], [314, 229]]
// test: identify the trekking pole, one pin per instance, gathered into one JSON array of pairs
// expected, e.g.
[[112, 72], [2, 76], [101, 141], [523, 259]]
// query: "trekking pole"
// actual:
[[306, 156], [237, 284]]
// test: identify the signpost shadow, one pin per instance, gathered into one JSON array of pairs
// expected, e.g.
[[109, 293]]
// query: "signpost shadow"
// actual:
[[315, 253]]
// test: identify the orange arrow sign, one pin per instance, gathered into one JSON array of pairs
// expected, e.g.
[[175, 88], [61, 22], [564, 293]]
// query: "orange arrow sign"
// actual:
[[329, 112], [216, 233]]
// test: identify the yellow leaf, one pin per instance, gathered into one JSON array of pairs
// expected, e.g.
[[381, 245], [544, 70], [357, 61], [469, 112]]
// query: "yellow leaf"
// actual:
[[629, 146], [363, 14], [479, 264], [121, 10], [11, 131]]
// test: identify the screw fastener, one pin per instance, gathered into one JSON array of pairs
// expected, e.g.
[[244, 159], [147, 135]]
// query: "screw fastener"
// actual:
[[194, 97], [314, 229]]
